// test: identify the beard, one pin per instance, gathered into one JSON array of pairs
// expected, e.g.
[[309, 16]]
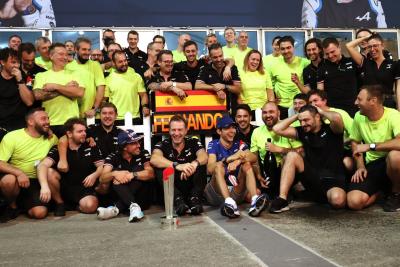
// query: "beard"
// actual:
[[82, 60], [40, 129]]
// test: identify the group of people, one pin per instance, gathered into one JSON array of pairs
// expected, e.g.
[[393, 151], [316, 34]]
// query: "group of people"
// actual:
[[330, 128]]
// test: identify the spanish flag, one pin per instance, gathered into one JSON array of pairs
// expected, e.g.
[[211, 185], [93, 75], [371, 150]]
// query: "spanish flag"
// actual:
[[196, 100]]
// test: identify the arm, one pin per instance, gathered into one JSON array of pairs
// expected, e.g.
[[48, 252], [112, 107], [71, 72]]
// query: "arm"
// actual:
[[91, 178], [387, 146], [71, 89], [158, 160], [211, 163], [202, 157], [145, 175], [22, 178], [99, 96], [24, 92], [303, 88], [243, 156], [62, 147], [271, 95], [201, 85], [144, 100], [336, 122], [283, 127], [235, 88], [42, 169], [44, 95], [352, 47], [361, 172]]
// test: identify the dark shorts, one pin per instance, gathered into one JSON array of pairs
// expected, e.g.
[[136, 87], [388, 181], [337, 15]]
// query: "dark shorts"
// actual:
[[318, 183], [73, 193], [30, 197], [376, 180]]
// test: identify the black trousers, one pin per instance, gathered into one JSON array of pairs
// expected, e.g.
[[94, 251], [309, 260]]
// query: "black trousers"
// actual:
[[135, 191], [192, 187]]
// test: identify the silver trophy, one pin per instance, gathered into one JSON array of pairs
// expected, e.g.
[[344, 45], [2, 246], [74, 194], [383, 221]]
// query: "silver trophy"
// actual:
[[168, 183]]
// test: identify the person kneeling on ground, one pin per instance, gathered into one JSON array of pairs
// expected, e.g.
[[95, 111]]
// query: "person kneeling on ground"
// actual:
[[230, 164], [130, 171]]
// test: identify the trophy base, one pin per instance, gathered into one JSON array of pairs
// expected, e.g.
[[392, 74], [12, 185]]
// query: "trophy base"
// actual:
[[171, 223]]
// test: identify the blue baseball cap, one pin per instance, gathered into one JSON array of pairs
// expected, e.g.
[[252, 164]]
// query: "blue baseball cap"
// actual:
[[224, 122], [128, 137]]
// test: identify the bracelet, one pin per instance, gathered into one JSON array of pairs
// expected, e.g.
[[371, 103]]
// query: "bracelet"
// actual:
[[198, 163], [145, 106]]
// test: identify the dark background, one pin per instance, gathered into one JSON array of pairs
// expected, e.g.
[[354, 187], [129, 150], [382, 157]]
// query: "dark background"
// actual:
[[194, 13]]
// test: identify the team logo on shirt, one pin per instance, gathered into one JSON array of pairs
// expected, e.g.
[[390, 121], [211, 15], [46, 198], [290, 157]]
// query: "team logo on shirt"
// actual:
[[366, 17]]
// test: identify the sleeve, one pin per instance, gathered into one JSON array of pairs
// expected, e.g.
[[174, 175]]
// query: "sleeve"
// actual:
[[397, 70], [39, 81], [141, 88], [145, 156], [197, 145], [110, 160], [355, 133], [107, 89], [394, 120], [235, 74], [299, 132], [53, 155], [253, 143], [7, 146], [268, 81], [160, 146], [211, 148], [309, 13], [98, 75], [153, 79], [305, 75]]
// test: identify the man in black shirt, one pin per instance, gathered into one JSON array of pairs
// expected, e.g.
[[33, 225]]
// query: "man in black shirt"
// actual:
[[133, 53], [244, 128], [168, 80], [189, 158], [130, 171], [339, 77], [321, 169], [108, 37], [15, 97], [28, 67], [77, 186], [314, 52], [376, 69], [211, 77], [147, 68]]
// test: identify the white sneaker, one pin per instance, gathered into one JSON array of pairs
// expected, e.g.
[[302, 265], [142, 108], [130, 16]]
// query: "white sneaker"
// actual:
[[107, 213], [135, 213]]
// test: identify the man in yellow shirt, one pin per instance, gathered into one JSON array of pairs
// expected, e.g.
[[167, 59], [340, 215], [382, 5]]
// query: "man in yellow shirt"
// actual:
[[378, 128], [241, 50], [20, 152], [91, 76], [126, 90], [230, 39], [42, 45], [178, 53], [58, 89]]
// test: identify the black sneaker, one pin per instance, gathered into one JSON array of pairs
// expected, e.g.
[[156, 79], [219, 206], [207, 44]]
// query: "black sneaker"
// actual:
[[392, 203], [59, 210], [180, 206], [9, 214], [278, 205], [195, 206]]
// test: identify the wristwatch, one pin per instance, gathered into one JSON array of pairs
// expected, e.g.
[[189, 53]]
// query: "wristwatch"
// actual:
[[173, 84], [372, 147], [174, 164]]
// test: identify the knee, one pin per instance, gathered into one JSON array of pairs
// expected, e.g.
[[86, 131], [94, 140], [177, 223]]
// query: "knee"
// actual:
[[291, 157], [356, 200], [247, 166], [337, 200], [219, 168], [9, 181], [53, 175], [393, 158], [88, 204], [38, 212]]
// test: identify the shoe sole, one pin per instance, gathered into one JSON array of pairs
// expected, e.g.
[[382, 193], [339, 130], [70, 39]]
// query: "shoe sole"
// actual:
[[280, 211], [231, 214], [260, 206]]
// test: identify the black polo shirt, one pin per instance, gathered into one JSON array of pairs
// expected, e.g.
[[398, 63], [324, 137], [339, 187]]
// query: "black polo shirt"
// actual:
[[188, 154], [134, 57], [340, 83], [311, 75], [140, 67], [176, 76], [316, 146], [107, 142], [209, 75], [12, 108], [82, 162], [192, 73], [385, 75], [245, 137], [29, 78], [117, 162]]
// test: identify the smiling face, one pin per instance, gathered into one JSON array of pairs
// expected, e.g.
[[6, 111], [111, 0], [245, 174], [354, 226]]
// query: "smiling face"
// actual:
[[107, 116], [227, 134], [217, 58], [254, 61], [333, 53], [375, 47], [287, 50], [243, 119], [313, 52], [177, 131], [308, 121], [270, 114], [190, 53]]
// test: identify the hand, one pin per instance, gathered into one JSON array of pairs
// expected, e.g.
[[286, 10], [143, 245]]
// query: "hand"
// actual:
[[17, 74], [90, 113], [263, 182], [8, 11], [73, 83], [146, 111], [218, 87], [187, 168], [295, 78], [148, 73], [180, 93], [221, 95], [89, 180], [23, 180], [45, 194], [227, 74], [21, 5], [91, 141], [360, 149], [272, 148], [62, 166], [359, 175], [233, 165], [50, 87], [122, 177]]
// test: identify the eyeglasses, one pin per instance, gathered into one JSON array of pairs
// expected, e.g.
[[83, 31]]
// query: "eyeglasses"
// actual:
[[374, 46]]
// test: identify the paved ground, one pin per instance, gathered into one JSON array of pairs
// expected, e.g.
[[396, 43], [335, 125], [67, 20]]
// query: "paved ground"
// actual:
[[307, 235]]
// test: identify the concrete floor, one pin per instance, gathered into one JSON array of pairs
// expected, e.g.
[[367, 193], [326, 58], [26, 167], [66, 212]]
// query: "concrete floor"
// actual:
[[366, 238]]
